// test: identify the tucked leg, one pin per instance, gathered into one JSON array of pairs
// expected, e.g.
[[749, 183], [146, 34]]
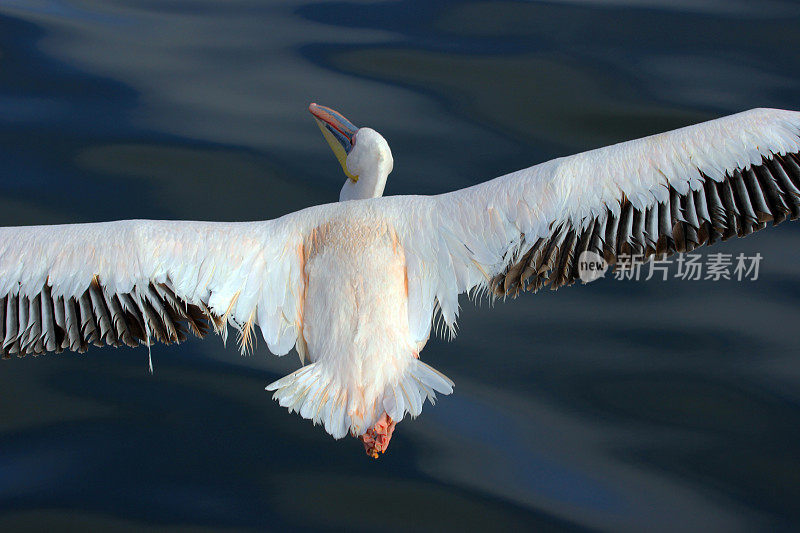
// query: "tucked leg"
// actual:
[[376, 439]]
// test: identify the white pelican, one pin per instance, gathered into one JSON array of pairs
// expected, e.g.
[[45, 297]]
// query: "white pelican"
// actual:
[[354, 286]]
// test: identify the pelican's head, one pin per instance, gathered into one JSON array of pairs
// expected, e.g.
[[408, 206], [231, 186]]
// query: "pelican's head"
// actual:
[[363, 153]]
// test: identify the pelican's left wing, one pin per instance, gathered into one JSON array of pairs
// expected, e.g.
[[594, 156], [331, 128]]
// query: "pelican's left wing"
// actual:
[[666, 193], [114, 283]]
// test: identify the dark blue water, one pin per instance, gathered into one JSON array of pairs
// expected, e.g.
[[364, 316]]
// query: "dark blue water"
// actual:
[[621, 405]]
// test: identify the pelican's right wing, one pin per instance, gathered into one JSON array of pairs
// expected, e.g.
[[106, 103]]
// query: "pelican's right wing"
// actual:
[[113, 283], [661, 194]]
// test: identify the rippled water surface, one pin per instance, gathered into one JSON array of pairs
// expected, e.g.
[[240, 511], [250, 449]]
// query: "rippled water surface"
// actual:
[[617, 406]]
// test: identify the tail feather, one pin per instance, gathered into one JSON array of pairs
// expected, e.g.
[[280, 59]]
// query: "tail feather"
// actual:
[[312, 392], [419, 382]]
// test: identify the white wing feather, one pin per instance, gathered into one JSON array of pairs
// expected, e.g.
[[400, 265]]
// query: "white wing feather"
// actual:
[[243, 272], [460, 241]]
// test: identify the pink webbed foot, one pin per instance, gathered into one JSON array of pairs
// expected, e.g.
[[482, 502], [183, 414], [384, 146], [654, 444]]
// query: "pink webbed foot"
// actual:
[[376, 439]]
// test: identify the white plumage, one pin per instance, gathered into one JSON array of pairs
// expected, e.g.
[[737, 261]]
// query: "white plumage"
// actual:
[[354, 285]]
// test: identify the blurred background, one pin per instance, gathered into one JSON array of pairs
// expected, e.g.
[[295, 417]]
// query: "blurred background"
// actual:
[[621, 405]]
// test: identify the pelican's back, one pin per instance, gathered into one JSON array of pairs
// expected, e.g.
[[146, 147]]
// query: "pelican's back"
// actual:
[[356, 331]]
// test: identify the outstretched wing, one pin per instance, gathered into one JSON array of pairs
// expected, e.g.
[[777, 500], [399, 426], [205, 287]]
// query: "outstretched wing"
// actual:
[[132, 281], [661, 194], [135, 281]]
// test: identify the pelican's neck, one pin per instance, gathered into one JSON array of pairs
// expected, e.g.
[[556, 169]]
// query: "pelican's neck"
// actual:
[[370, 160], [369, 185]]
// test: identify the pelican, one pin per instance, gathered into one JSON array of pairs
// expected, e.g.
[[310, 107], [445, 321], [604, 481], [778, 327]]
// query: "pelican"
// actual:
[[355, 286]]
